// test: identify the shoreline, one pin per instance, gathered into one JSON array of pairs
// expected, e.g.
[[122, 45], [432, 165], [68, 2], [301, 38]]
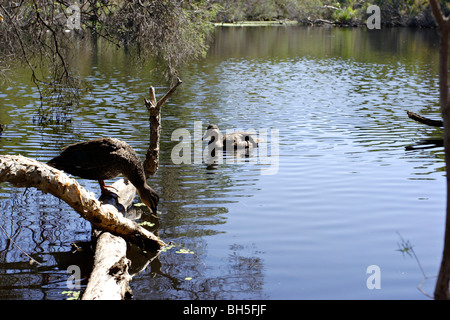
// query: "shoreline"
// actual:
[[257, 23], [315, 23]]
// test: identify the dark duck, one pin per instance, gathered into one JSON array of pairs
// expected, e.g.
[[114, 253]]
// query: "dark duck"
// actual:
[[106, 158], [233, 141]]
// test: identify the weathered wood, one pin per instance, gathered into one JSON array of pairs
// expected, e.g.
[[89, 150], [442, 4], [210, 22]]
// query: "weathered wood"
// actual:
[[26, 172], [424, 120], [151, 162], [426, 144], [109, 279]]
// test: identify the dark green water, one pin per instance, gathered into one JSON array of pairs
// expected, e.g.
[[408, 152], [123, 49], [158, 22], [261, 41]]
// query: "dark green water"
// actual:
[[302, 223]]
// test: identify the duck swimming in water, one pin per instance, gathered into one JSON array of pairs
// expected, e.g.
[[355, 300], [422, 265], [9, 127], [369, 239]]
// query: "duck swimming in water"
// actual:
[[234, 141], [106, 158]]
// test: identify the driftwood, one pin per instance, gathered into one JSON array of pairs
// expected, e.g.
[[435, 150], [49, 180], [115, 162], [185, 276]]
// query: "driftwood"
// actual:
[[320, 21], [426, 143]]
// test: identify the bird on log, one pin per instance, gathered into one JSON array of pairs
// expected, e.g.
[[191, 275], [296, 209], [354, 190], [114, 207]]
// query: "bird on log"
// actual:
[[106, 158], [235, 140]]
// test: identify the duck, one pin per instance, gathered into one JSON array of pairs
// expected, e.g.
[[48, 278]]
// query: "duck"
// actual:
[[105, 158], [235, 140]]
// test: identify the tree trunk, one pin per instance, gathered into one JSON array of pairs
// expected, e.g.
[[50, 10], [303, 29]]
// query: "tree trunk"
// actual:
[[441, 291]]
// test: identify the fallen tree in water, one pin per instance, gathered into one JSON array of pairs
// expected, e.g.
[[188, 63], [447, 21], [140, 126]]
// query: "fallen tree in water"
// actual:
[[111, 229], [110, 278], [426, 143], [25, 172]]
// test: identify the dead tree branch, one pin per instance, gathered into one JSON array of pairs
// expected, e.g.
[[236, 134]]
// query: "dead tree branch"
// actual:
[[110, 278], [151, 162], [424, 120]]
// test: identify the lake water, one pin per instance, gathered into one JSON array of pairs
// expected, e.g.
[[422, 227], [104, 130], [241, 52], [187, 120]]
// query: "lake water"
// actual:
[[331, 191]]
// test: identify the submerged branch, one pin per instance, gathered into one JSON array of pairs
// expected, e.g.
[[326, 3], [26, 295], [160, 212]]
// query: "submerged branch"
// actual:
[[424, 120]]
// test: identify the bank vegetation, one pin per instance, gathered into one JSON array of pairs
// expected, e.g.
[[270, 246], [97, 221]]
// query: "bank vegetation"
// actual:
[[410, 13]]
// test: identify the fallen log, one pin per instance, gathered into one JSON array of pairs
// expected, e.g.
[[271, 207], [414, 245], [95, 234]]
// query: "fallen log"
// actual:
[[25, 172], [426, 144], [109, 279]]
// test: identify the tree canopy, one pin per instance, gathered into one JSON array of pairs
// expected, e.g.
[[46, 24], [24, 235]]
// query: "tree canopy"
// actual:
[[41, 34]]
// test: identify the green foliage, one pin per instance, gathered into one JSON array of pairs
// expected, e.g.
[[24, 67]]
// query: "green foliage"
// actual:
[[184, 251], [36, 32], [264, 10], [174, 31], [393, 12], [146, 224], [345, 15], [72, 295]]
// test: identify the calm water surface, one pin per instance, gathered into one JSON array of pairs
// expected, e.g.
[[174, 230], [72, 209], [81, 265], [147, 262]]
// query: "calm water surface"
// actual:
[[342, 194]]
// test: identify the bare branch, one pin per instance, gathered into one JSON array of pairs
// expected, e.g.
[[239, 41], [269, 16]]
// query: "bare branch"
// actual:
[[151, 162], [424, 120], [168, 94]]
